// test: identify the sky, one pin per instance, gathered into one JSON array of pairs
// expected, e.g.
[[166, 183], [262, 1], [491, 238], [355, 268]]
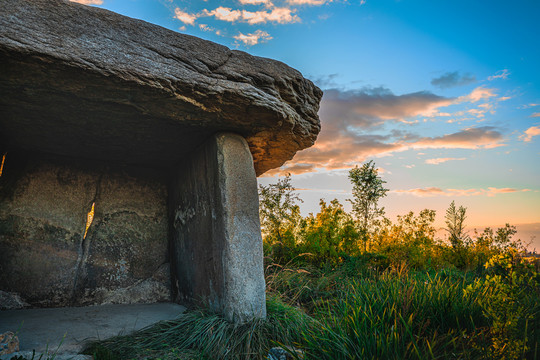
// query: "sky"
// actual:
[[443, 95]]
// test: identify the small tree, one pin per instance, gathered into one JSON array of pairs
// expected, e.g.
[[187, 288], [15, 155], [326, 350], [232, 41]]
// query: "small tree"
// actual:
[[455, 225], [367, 190], [279, 215]]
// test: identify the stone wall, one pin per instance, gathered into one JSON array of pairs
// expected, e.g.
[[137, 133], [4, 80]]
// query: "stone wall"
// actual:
[[44, 257]]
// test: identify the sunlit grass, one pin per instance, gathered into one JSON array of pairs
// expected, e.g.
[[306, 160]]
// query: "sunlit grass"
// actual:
[[398, 317], [340, 313], [200, 334]]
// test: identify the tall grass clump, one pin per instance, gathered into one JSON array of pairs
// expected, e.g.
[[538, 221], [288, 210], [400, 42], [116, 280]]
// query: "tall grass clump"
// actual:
[[398, 317], [209, 336]]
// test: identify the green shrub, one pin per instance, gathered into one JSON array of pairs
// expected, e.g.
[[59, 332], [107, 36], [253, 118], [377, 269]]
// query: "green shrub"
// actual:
[[510, 300]]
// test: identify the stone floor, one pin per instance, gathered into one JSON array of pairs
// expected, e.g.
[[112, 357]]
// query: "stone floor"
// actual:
[[67, 329]]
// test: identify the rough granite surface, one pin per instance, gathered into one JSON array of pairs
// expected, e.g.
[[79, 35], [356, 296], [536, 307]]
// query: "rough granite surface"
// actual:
[[216, 250], [86, 82], [46, 261]]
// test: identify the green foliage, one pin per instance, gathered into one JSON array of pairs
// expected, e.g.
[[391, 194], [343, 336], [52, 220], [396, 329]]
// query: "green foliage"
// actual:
[[279, 217], [329, 235], [455, 225], [510, 300], [367, 190], [410, 241], [383, 289]]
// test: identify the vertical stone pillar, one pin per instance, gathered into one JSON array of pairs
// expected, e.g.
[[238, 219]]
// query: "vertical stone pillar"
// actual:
[[216, 244]]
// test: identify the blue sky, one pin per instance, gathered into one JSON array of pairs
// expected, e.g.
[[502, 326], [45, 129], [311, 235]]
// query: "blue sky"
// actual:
[[443, 95]]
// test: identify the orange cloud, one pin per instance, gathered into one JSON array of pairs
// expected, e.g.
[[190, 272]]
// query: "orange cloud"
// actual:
[[471, 138], [88, 2], [435, 191], [530, 133], [480, 93], [276, 15], [349, 118], [254, 38], [185, 17], [379, 103], [224, 14], [431, 191], [347, 149], [308, 2], [256, 2], [438, 161], [536, 114]]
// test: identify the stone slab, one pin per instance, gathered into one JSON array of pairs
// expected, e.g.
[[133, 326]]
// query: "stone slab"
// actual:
[[216, 239], [86, 82], [39, 329]]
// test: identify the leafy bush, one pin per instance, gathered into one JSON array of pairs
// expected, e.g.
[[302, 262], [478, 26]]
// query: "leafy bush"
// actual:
[[510, 300]]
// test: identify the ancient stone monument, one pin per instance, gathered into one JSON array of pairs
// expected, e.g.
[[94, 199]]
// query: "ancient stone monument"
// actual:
[[131, 156]]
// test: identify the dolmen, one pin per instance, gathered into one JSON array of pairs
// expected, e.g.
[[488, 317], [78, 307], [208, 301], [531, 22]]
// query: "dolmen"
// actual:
[[129, 160]]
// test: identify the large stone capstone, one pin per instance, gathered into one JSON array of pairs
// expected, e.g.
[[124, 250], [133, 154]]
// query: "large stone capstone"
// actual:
[[130, 155], [86, 82]]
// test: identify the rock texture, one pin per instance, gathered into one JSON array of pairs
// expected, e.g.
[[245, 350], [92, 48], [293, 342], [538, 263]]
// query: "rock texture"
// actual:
[[44, 257], [9, 343], [10, 301], [216, 239], [85, 82]]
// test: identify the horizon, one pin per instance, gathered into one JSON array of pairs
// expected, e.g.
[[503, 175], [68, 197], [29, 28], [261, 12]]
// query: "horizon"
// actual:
[[444, 97]]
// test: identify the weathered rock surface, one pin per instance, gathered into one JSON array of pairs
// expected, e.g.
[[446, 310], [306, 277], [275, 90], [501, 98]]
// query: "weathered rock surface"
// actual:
[[11, 301], [9, 343], [86, 82], [44, 256], [216, 239]]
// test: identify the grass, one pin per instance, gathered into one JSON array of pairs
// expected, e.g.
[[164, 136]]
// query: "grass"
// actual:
[[393, 317], [343, 313], [203, 335]]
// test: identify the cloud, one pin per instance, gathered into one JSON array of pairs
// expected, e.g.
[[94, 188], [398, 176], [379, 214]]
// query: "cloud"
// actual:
[[501, 74], [368, 106], [184, 17], [207, 28], [224, 14], [530, 133], [275, 15], [435, 191], [308, 2], [256, 2], [349, 119], [480, 93], [431, 191], [453, 79], [537, 114], [253, 38], [352, 122], [88, 2], [470, 138], [438, 161]]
